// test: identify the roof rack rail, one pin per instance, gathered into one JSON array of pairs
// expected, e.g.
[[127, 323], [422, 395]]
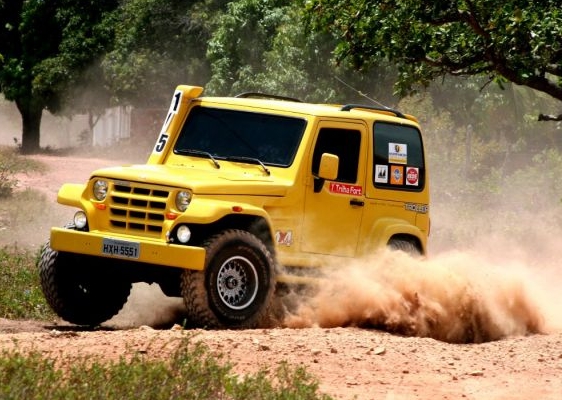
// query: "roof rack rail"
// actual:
[[247, 95], [349, 107]]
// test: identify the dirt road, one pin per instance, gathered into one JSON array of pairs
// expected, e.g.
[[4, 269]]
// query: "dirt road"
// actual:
[[349, 362]]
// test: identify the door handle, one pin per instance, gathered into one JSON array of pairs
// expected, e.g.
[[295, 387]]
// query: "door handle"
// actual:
[[358, 203]]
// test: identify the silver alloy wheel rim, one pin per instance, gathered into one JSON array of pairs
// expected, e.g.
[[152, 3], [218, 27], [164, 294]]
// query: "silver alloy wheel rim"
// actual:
[[237, 283]]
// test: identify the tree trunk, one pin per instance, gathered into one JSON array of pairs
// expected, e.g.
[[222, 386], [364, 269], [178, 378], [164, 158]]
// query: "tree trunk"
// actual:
[[31, 114]]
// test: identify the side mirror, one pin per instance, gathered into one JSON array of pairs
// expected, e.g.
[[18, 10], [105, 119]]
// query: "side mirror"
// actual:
[[329, 165]]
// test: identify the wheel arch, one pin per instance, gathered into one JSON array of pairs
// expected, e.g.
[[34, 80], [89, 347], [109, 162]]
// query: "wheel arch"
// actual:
[[388, 229], [256, 224]]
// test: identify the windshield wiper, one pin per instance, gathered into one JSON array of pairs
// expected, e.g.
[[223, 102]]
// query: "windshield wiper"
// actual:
[[251, 160], [200, 153]]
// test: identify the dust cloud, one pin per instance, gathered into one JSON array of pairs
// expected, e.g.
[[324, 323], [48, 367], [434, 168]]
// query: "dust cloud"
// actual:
[[456, 297], [147, 305]]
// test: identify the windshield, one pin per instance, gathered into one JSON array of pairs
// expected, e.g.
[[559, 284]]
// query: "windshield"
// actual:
[[224, 134]]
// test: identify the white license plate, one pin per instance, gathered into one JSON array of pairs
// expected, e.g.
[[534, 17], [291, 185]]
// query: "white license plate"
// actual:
[[120, 248]]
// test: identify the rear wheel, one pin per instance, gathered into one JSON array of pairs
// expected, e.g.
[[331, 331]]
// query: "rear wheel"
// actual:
[[82, 290], [405, 245], [236, 288]]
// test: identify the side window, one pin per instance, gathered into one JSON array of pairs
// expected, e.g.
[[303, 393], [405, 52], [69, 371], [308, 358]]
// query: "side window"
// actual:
[[398, 161], [344, 143]]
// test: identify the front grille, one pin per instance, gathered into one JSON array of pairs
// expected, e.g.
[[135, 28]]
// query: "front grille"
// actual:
[[137, 209]]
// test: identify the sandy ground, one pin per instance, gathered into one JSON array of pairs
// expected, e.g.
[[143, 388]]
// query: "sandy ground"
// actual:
[[389, 335]]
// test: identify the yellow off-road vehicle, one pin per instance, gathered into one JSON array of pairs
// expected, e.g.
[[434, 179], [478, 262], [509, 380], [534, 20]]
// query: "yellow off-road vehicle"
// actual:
[[239, 194]]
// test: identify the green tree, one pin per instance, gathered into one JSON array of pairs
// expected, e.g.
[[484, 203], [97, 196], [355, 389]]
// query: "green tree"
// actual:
[[159, 44], [243, 34], [46, 46], [264, 47], [515, 40]]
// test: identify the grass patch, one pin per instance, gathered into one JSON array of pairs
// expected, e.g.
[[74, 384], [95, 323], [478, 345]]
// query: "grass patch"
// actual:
[[192, 372], [21, 296], [11, 163], [25, 215], [24, 210]]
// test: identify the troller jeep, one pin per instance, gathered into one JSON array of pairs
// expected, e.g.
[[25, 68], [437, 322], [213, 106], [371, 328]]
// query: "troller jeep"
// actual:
[[239, 194]]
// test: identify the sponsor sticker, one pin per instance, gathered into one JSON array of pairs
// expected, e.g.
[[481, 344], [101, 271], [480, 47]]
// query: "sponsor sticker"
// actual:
[[412, 176], [381, 173], [397, 153], [284, 238], [396, 174], [344, 188]]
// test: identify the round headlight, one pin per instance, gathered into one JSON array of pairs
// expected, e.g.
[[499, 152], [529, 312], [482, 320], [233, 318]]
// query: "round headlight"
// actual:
[[100, 189], [183, 198], [183, 234], [80, 220]]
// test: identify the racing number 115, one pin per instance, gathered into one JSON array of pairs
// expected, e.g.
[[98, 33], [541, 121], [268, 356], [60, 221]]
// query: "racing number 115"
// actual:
[[163, 138]]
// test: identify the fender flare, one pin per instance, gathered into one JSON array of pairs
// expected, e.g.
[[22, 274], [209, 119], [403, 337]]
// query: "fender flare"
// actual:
[[386, 228]]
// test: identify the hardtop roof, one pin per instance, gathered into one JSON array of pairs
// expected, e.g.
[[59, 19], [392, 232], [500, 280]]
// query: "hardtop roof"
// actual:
[[351, 111]]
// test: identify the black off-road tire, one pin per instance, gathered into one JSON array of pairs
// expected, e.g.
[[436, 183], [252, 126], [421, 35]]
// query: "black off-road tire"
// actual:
[[407, 246], [236, 288], [82, 290]]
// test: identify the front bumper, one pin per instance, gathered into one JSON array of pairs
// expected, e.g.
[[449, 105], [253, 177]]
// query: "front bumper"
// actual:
[[149, 250]]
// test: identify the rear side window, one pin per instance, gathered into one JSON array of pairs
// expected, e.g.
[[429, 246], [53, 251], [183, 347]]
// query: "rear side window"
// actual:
[[398, 161]]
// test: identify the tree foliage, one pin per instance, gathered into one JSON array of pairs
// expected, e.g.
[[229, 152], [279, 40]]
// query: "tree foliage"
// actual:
[[264, 46], [158, 44], [45, 47], [517, 41]]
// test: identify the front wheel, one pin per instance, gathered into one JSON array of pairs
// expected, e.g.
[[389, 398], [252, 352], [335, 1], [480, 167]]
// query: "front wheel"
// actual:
[[236, 288], [81, 289]]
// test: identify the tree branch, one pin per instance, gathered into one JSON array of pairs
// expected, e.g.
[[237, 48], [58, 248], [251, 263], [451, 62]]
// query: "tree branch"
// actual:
[[470, 19], [546, 117], [466, 67], [539, 83]]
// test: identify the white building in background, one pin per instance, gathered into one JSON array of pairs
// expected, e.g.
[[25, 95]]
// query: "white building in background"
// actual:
[[58, 132], [113, 126]]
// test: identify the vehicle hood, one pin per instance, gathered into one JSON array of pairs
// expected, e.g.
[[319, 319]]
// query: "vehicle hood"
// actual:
[[200, 181]]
